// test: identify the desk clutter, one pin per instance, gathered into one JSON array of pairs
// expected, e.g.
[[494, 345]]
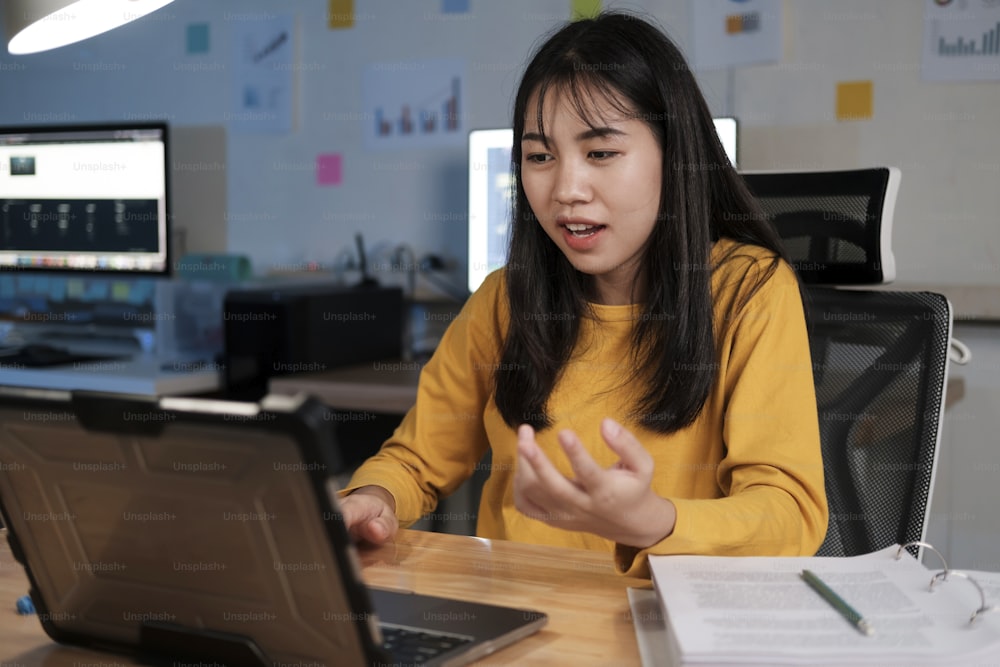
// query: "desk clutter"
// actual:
[[209, 320], [281, 329], [165, 317]]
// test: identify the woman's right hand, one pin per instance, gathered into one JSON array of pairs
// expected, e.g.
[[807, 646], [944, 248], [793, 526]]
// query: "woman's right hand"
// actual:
[[370, 514]]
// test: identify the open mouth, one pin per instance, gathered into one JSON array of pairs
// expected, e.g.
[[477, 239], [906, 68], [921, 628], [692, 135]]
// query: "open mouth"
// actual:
[[583, 231]]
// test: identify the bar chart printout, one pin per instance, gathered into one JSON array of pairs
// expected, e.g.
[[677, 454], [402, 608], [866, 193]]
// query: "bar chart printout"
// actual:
[[414, 104], [987, 45], [961, 41], [430, 115]]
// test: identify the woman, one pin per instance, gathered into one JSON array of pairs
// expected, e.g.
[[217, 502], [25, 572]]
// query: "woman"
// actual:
[[640, 367]]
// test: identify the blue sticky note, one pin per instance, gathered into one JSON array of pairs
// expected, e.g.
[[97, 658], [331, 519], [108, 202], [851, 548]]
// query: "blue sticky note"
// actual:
[[454, 6], [197, 38]]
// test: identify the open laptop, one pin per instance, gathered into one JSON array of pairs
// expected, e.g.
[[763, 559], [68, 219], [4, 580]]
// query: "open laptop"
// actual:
[[181, 529]]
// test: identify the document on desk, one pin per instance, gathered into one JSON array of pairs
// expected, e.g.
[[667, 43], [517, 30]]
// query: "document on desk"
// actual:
[[731, 611]]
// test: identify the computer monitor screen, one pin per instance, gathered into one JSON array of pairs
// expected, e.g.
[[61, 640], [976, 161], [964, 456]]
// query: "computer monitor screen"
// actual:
[[85, 198], [726, 128], [491, 192]]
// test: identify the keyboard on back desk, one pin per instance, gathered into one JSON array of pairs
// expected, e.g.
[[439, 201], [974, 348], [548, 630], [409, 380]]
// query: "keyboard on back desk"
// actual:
[[36, 355]]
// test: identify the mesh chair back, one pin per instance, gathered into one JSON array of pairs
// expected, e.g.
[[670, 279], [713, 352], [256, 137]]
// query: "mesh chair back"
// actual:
[[879, 357], [879, 366]]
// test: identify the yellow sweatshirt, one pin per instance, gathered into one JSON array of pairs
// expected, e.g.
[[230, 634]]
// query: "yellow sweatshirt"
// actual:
[[746, 476]]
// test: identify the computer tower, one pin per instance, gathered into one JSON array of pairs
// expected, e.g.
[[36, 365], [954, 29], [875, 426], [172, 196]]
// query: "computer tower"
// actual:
[[277, 330]]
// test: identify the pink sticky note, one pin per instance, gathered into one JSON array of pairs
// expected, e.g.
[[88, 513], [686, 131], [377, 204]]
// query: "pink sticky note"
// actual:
[[328, 169]]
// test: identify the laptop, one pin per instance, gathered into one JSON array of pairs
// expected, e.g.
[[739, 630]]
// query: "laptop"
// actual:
[[193, 529]]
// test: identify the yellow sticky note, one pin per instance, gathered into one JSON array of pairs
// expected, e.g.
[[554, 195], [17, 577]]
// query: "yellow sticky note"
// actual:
[[340, 14], [854, 100], [583, 9]]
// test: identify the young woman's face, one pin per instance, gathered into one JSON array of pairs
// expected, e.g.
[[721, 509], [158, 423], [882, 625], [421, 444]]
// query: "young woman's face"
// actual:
[[595, 190]]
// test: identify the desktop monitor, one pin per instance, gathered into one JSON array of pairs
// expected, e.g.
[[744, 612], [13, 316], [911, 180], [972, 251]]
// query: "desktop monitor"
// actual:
[[491, 192], [88, 198]]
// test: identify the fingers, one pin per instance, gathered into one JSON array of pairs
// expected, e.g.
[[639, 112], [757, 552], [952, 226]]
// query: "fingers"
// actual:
[[541, 481], [633, 455], [368, 518], [378, 530], [585, 469]]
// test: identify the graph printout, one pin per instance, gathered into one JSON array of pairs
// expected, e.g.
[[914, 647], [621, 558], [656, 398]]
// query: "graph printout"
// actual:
[[732, 33], [961, 40], [414, 103], [263, 75]]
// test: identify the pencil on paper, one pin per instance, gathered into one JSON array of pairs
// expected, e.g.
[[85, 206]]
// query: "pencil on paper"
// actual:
[[838, 603]]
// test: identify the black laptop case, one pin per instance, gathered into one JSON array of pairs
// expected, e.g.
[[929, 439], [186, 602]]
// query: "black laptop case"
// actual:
[[183, 529]]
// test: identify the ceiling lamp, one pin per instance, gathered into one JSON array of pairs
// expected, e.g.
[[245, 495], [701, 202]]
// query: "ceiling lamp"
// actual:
[[40, 25]]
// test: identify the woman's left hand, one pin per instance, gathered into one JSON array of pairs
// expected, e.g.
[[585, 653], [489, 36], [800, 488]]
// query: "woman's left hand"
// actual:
[[617, 503]]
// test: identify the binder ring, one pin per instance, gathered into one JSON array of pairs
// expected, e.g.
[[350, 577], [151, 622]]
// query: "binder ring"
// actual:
[[983, 607], [925, 545]]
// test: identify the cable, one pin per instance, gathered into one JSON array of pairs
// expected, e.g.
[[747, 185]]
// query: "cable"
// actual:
[[959, 352]]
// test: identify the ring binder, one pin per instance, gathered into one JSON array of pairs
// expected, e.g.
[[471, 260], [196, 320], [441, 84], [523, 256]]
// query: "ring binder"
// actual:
[[943, 575], [924, 545], [945, 572], [737, 611]]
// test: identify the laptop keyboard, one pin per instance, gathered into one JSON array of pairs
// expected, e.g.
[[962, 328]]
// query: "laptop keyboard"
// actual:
[[414, 647]]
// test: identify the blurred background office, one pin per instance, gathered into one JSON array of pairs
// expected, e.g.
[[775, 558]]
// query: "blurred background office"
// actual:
[[297, 124]]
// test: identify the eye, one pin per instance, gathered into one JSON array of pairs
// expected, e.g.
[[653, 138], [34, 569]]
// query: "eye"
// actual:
[[601, 155], [537, 158]]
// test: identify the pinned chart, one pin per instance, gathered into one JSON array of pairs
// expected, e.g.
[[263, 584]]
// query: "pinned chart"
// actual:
[[728, 33], [414, 103], [961, 41]]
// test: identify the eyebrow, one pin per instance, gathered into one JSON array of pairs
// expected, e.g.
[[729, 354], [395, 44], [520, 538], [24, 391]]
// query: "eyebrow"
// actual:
[[592, 133]]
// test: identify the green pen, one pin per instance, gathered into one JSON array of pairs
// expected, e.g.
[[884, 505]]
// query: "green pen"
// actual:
[[837, 602]]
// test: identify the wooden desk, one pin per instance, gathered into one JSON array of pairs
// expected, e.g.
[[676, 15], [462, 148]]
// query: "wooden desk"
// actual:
[[382, 386], [589, 619]]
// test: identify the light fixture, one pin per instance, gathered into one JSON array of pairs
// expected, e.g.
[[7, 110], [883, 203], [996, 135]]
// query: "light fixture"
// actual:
[[39, 25]]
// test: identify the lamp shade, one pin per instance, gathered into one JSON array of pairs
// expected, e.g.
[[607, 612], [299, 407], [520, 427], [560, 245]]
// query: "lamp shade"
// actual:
[[39, 25]]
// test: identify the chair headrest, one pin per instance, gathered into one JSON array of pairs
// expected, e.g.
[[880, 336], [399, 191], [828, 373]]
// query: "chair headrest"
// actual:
[[835, 225]]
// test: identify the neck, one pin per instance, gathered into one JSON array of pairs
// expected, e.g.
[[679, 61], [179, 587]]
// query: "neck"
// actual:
[[617, 290]]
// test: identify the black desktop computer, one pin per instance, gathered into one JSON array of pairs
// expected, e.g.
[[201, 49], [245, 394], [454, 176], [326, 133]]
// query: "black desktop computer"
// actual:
[[278, 330]]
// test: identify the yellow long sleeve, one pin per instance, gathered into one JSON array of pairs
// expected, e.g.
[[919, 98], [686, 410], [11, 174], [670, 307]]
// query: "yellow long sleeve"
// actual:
[[746, 476]]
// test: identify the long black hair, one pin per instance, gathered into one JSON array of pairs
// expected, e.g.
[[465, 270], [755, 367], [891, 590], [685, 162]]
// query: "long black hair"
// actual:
[[623, 59]]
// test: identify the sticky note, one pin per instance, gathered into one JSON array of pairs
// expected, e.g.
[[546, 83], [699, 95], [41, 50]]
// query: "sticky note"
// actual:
[[454, 6], [328, 169], [197, 38], [582, 9], [854, 100], [340, 14]]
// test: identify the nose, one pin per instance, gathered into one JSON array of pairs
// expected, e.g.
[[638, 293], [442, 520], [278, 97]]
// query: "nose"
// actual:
[[572, 183]]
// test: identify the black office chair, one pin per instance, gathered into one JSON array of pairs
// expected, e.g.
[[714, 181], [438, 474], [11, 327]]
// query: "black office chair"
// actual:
[[880, 358]]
